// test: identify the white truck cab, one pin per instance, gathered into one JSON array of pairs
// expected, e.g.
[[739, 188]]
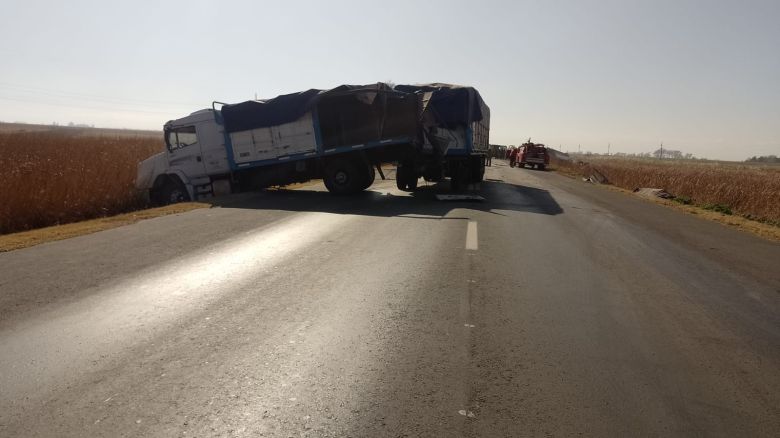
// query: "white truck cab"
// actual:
[[194, 154]]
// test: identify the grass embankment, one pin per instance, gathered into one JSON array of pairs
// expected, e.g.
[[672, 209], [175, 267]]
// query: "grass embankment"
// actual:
[[24, 239], [743, 195], [64, 175]]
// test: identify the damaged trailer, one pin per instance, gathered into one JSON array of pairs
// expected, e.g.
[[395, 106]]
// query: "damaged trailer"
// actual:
[[340, 135], [455, 128]]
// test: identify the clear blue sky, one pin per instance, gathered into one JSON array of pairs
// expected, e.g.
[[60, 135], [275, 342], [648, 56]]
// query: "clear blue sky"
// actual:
[[701, 76]]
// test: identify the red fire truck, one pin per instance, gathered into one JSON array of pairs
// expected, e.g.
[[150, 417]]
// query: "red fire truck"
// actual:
[[532, 154]]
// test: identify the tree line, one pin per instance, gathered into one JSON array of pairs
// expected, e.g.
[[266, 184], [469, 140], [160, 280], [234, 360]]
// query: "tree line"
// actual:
[[764, 159]]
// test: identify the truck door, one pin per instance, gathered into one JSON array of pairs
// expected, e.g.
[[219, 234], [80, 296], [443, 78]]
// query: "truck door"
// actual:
[[184, 150], [211, 139]]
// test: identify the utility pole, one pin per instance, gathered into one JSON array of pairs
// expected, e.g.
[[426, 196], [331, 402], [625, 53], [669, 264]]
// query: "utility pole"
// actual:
[[609, 146], [661, 157], [579, 149]]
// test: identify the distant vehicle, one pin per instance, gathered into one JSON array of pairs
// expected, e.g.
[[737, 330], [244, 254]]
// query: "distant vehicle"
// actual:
[[532, 154], [340, 135]]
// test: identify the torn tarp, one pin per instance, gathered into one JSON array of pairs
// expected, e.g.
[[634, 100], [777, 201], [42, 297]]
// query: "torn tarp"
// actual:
[[452, 104]]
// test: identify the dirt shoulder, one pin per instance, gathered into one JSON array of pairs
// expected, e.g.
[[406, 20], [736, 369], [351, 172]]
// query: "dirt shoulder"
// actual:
[[666, 229], [766, 231]]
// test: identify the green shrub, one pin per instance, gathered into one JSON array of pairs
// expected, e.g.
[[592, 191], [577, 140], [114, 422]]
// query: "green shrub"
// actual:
[[720, 208]]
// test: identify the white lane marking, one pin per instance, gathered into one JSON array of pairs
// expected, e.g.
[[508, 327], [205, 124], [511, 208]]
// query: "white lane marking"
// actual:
[[471, 236]]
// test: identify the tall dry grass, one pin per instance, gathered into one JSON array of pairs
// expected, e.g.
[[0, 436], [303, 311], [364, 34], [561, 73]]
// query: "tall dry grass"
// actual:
[[65, 175], [750, 190]]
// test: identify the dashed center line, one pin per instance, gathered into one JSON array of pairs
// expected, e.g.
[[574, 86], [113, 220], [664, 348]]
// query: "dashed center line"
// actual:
[[471, 236]]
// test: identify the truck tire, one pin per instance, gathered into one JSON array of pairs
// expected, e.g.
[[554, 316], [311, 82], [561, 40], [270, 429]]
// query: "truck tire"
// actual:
[[455, 183], [411, 183], [461, 178], [173, 192], [405, 179], [478, 170], [433, 173], [400, 178], [343, 177], [370, 176], [540, 167]]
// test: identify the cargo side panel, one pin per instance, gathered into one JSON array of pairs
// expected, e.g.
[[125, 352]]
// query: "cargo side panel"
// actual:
[[295, 137], [480, 135], [262, 144]]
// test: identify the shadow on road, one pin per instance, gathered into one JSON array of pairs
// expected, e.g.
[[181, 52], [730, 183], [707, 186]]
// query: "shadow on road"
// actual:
[[423, 204]]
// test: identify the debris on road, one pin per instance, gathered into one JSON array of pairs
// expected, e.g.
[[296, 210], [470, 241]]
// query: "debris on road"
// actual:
[[460, 198], [648, 192], [596, 177]]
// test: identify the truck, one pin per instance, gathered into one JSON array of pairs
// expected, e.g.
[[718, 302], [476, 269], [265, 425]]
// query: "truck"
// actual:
[[533, 155], [456, 120], [341, 135]]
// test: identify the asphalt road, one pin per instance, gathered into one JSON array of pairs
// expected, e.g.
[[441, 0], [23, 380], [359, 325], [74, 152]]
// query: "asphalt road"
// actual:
[[553, 308]]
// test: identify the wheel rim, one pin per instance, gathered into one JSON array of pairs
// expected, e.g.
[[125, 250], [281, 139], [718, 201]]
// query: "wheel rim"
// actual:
[[341, 177], [176, 196]]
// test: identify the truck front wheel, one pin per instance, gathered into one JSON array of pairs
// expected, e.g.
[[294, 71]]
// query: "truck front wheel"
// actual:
[[173, 192]]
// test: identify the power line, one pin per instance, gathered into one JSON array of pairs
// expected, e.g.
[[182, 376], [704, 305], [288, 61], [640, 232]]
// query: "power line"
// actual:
[[86, 96], [84, 106]]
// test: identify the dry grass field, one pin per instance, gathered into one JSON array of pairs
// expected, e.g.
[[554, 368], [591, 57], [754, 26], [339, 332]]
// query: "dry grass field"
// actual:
[[749, 190], [56, 175]]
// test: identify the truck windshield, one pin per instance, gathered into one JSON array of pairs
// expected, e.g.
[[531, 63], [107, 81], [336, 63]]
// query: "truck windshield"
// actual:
[[181, 137]]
